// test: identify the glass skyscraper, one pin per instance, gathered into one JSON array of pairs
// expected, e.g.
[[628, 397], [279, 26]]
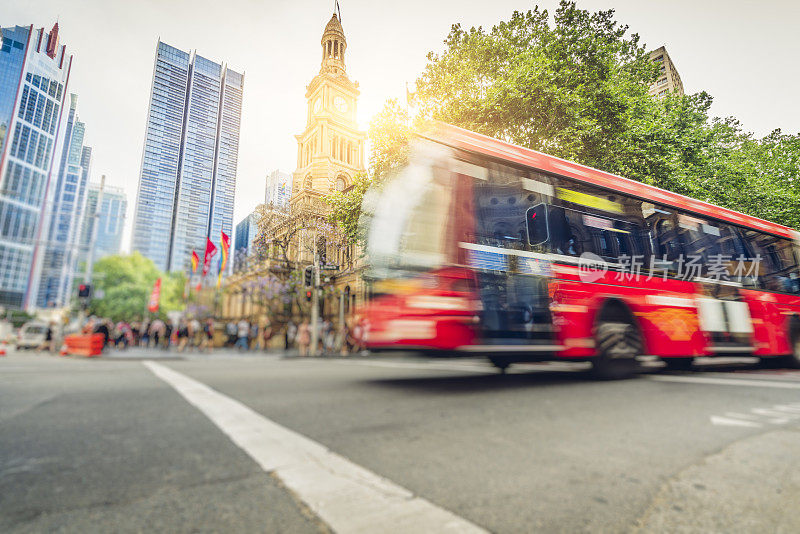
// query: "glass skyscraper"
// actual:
[[61, 240], [34, 71], [110, 222], [188, 172], [279, 189]]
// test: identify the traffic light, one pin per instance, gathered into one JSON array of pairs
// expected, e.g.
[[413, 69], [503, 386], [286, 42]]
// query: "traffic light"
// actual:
[[84, 291], [309, 294], [308, 276]]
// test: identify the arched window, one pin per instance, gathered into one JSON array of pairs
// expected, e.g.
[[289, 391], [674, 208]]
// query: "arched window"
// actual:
[[341, 149], [307, 183], [341, 183]]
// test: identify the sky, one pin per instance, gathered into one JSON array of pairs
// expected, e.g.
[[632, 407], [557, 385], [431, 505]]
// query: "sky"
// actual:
[[743, 52]]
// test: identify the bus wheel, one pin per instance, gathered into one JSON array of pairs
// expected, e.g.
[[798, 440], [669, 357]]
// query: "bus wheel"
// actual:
[[678, 364], [793, 359], [618, 345], [501, 364]]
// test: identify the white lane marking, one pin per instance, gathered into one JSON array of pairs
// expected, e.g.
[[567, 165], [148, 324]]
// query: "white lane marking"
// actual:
[[344, 495], [724, 381], [727, 421]]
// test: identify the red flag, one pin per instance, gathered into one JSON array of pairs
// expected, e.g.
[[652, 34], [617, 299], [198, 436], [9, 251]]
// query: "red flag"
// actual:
[[210, 251], [155, 297], [225, 245], [195, 261]]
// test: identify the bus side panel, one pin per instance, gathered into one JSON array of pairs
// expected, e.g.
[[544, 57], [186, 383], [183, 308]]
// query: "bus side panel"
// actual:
[[664, 311], [770, 313]]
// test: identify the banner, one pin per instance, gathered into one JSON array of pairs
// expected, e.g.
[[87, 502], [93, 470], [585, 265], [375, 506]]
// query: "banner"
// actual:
[[225, 245], [210, 251], [155, 297]]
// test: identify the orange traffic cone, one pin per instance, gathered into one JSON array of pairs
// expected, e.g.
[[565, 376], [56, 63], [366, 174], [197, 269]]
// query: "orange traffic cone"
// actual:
[[63, 351], [3, 349]]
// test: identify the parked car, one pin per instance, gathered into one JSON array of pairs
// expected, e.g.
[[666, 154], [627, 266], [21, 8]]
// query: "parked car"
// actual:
[[32, 335]]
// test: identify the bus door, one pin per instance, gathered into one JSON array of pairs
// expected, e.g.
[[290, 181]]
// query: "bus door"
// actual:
[[512, 282], [724, 316]]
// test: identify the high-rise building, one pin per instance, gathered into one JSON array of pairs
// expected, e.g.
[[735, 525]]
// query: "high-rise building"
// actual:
[[279, 189], [246, 232], [110, 221], [188, 171], [61, 238], [34, 72], [668, 81]]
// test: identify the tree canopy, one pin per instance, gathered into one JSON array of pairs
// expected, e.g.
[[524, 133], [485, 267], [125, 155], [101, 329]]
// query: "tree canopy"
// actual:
[[576, 86], [125, 283]]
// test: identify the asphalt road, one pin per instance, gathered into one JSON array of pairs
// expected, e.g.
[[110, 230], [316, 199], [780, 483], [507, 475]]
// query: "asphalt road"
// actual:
[[115, 444]]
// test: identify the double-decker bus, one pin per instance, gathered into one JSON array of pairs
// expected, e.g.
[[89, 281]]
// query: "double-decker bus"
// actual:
[[479, 246]]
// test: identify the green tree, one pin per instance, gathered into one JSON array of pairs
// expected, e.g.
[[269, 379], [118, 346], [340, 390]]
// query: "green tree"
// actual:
[[125, 283], [577, 88]]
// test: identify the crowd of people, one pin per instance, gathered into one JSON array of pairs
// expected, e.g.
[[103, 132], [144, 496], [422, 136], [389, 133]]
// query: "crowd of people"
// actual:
[[242, 335]]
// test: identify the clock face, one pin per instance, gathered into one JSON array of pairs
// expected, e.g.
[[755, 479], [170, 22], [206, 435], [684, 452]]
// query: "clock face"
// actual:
[[340, 104], [317, 105]]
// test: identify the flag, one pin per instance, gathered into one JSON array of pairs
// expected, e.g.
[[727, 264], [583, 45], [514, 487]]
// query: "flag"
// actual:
[[155, 297], [210, 251], [195, 261], [225, 244]]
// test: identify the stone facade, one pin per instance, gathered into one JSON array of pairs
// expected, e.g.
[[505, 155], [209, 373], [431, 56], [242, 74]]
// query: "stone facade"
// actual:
[[668, 81]]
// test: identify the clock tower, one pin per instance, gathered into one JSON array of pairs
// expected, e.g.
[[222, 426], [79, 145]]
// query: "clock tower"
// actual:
[[331, 148]]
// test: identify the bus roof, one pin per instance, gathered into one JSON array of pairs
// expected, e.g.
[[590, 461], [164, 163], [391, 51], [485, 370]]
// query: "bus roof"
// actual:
[[474, 142]]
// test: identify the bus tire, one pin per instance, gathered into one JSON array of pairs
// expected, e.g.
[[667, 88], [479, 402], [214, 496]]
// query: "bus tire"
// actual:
[[793, 360], [678, 364], [618, 345]]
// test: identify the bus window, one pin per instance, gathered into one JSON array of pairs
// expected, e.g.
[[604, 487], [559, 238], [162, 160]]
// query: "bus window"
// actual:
[[778, 269]]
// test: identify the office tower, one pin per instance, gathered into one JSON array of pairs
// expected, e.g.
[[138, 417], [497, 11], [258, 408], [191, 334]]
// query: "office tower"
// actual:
[[109, 223], [60, 247], [188, 171], [279, 189], [246, 232], [34, 71], [668, 81]]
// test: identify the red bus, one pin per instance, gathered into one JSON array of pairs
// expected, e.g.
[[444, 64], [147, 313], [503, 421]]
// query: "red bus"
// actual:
[[482, 247]]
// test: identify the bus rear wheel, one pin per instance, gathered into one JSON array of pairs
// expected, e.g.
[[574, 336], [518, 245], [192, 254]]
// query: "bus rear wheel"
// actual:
[[793, 359], [678, 364], [618, 345]]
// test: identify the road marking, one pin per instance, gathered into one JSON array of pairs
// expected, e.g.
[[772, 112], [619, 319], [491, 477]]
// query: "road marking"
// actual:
[[727, 421], [724, 381], [344, 495]]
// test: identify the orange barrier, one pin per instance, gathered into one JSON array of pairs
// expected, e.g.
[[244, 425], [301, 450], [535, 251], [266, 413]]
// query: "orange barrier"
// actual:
[[84, 344]]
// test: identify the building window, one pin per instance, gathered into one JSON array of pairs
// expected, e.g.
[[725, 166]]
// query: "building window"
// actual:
[[662, 81]]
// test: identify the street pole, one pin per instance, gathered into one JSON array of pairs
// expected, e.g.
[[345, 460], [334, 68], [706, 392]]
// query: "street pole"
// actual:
[[89, 271], [315, 302]]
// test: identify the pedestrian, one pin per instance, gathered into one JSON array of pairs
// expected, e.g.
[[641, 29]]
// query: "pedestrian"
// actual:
[[242, 333], [102, 328], [266, 332], [255, 335], [49, 336], [304, 337], [208, 335], [291, 333], [183, 335], [231, 330], [145, 333]]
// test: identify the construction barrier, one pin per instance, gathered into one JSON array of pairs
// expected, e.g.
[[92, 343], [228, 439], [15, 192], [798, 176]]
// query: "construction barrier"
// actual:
[[84, 344]]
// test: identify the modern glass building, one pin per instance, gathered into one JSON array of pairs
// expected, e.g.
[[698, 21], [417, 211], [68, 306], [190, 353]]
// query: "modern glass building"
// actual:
[[188, 172], [110, 222], [279, 189], [246, 232], [34, 72], [61, 239]]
